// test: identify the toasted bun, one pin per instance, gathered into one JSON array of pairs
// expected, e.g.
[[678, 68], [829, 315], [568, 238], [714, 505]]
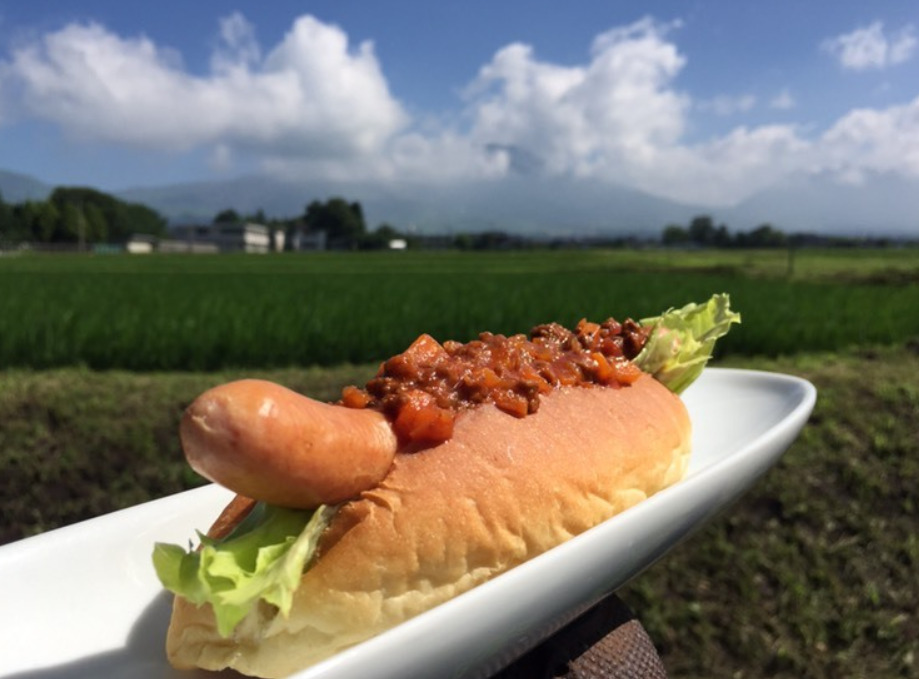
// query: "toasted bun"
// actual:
[[444, 520]]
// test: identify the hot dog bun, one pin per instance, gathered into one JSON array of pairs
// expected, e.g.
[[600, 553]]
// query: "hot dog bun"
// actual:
[[499, 492]]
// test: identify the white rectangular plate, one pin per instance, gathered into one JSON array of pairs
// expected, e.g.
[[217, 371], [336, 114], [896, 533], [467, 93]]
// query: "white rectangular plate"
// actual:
[[84, 601]]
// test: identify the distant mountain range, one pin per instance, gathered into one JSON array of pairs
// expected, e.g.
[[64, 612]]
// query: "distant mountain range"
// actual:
[[533, 205], [517, 205], [16, 188], [882, 205]]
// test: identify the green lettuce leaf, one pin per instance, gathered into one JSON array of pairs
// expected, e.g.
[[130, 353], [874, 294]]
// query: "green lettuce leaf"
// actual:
[[263, 558], [682, 341]]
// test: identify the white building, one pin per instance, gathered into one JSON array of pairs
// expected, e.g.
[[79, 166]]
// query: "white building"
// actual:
[[141, 244], [224, 237], [304, 240]]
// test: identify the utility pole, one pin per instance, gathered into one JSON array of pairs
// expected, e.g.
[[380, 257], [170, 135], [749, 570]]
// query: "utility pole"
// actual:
[[81, 227]]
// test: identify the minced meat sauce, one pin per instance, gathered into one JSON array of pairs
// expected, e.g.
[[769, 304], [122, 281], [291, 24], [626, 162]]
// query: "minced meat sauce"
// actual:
[[422, 390]]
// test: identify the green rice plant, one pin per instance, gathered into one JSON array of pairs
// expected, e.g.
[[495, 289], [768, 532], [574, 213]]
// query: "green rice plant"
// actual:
[[209, 312]]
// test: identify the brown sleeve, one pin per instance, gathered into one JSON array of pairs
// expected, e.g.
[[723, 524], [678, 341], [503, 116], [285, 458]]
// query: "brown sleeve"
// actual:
[[606, 642]]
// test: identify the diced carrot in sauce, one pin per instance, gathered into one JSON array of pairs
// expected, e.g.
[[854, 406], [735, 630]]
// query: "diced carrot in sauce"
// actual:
[[604, 371], [423, 389], [627, 372], [352, 397], [512, 404], [421, 421]]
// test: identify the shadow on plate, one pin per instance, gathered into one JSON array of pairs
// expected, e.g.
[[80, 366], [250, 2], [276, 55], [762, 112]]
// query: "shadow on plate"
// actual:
[[142, 656]]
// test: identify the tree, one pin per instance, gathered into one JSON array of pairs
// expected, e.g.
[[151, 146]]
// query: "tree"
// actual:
[[143, 219], [103, 216], [25, 218], [765, 236], [702, 230], [71, 223], [7, 222], [47, 221], [380, 238], [722, 237], [95, 226], [358, 212], [343, 222], [674, 234], [228, 216], [258, 217]]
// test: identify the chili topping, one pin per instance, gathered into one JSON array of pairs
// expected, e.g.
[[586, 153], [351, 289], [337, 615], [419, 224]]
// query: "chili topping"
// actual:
[[423, 389]]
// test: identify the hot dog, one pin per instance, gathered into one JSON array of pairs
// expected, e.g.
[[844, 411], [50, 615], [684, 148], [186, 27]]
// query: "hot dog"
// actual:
[[479, 481]]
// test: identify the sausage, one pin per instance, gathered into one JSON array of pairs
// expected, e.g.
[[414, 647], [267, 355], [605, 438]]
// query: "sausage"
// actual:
[[265, 441]]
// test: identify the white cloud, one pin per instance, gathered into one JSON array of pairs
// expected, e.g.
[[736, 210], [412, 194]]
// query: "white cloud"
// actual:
[[221, 158], [725, 105], [783, 101], [732, 167], [312, 94], [238, 47], [620, 118], [870, 47], [314, 105], [873, 141], [618, 108]]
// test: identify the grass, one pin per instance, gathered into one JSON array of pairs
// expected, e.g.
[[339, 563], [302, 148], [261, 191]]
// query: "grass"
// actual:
[[812, 574], [212, 312]]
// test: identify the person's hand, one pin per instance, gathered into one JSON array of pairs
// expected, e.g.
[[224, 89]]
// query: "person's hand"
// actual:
[[606, 642]]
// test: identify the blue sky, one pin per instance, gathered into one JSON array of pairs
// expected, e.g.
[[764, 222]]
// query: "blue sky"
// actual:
[[709, 102]]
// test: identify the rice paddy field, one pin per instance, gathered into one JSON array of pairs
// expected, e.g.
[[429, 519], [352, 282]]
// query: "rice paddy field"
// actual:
[[811, 574], [210, 312]]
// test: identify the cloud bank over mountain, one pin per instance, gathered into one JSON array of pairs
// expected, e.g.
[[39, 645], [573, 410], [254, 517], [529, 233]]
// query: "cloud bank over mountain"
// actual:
[[316, 110]]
